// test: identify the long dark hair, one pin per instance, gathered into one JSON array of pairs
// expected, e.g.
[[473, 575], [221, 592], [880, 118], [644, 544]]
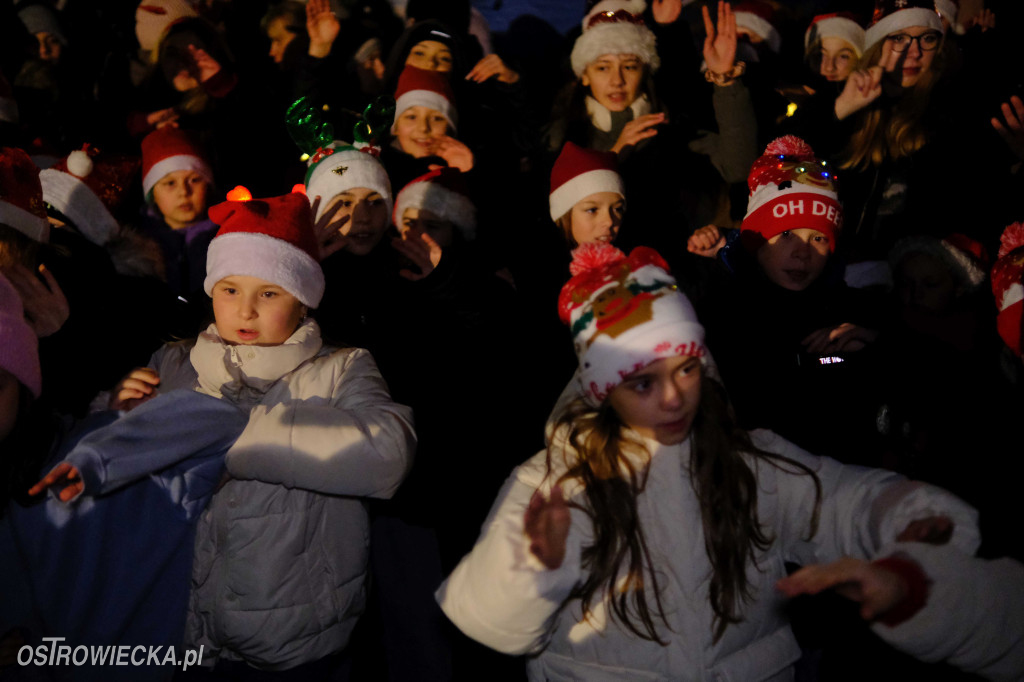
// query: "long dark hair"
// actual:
[[611, 463]]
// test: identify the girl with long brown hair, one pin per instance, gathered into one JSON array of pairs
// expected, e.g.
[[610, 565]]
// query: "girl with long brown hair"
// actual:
[[646, 541]]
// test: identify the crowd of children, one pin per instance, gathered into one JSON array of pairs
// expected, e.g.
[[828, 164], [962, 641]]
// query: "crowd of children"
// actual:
[[288, 288]]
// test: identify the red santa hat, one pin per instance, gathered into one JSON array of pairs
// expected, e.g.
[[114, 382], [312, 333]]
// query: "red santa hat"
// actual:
[[21, 195], [625, 313], [842, 25], [423, 88], [19, 347], [87, 186], [580, 172], [614, 27], [791, 189], [443, 192], [169, 149], [154, 17], [892, 16], [271, 239], [758, 17], [965, 258], [1008, 286]]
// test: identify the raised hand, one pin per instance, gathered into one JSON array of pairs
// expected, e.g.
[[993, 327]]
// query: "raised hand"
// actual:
[[862, 88], [546, 523], [720, 42], [1012, 131], [421, 249], [207, 66], [454, 152], [64, 476], [136, 388], [638, 129], [322, 26], [706, 241], [46, 307], [329, 239], [489, 66]]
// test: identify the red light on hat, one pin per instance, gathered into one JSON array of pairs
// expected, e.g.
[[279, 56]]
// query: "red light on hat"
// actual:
[[239, 194], [298, 189]]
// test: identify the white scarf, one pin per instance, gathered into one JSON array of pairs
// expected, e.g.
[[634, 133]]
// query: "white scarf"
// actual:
[[601, 116]]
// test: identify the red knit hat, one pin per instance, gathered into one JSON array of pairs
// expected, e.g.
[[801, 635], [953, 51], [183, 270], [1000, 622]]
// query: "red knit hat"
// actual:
[[842, 25], [423, 88], [87, 186], [625, 313], [170, 149], [271, 239], [614, 27], [21, 195], [1008, 286], [579, 172], [758, 17], [444, 193], [891, 16], [791, 189]]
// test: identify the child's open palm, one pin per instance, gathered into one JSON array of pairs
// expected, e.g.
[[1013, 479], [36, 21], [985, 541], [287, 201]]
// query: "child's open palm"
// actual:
[[546, 523]]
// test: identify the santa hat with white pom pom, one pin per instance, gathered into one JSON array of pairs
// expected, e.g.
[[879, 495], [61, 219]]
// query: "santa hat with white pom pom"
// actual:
[[87, 187]]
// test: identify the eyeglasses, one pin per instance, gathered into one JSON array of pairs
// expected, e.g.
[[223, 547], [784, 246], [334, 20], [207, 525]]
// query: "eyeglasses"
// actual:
[[900, 42]]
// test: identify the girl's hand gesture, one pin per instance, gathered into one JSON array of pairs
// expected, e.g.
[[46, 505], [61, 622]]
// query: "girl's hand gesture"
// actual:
[[1013, 131], [329, 239], [64, 476], [207, 66], [862, 88], [875, 588], [46, 308], [454, 152], [706, 241], [135, 389], [421, 249], [638, 129], [546, 523], [720, 45], [322, 26], [491, 65]]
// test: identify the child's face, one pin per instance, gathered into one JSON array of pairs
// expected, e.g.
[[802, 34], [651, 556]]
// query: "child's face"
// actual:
[[660, 400], [181, 198], [280, 37], [367, 215], [925, 283], [418, 130], [834, 58], [440, 230], [9, 396], [251, 311], [614, 80], [794, 259], [430, 55], [597, 218]]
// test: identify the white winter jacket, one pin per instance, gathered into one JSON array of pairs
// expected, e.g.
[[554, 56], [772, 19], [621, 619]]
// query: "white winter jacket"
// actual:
[[503, 597], [281, 551]]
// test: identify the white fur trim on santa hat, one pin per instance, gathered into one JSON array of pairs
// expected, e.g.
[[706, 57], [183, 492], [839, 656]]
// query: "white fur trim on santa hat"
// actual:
[[154, 17], [429, 99], [949, 11], [259, 255], [83, 208], [442, 202], [171, 164], [761, 27], [29, 224], [361, 170], [615, 38], [836, 27], [897, 21], [582, 186], [1011, 296]]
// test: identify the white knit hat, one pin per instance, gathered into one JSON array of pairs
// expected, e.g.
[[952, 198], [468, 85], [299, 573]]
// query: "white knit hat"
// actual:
[[341, 167], [614, 27]]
